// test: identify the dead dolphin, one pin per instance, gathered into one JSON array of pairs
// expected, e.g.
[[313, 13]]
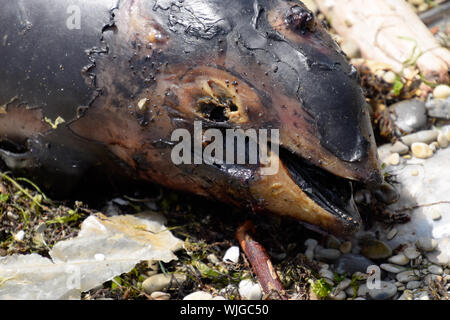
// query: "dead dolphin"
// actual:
[[91, 88]]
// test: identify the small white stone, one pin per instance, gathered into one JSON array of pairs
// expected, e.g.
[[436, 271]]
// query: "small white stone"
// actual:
[[426, 244], [421, 150], [434, 269], [158, 295], [389, 77], [391, 234], [415, 172], [231, 255], [400, 148], [435, 215], [393, 159], [392, 268], [250, 290], [441, 91], [213, 258], [219, 298], [199, 295], [411, 253], [422, 296], [399, 259], [442, 140], [160, 281], [19, 235], [337, 295], [326, 274]]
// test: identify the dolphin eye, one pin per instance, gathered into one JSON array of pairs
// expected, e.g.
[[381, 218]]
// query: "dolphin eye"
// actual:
[[300, 18]]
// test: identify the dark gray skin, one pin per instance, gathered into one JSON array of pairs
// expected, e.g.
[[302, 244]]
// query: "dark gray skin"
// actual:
[[270, 60]]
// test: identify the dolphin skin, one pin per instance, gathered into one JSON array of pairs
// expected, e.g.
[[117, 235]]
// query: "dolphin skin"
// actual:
[[95, 89]]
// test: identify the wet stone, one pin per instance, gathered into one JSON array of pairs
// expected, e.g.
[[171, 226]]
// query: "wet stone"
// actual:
[[407, 276], [409, 115], [351, 263], [386, 291], [375, 249], [327, 254], [439, 108]]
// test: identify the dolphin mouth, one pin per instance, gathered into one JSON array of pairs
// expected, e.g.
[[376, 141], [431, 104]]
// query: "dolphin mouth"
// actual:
[[332, 193], [309, 194]]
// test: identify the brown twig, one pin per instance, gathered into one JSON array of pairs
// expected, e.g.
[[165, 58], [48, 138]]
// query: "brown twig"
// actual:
[[260, 261]]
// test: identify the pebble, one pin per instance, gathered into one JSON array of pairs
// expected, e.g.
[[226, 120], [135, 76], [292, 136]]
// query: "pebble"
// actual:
[[441, 92], [19, 235], [421, 150], [391, 234], [250, 290], [426, 244], [219, 298], [389, 77], [363, 290], [375, 249], [393, 159], [442, 140], [399, 148], [425, 136], [392, 268], [351, 48], [407, 276], [231, 255], [411, 253], [160, 281], [407, 295], [158, 295], [387, 290], [326, 274], [399, 259], [409, 115], [213, 258], [333, 242], [198, 295], [438, 108], [311, 245], [337, 295], [435, 215], [344, 284], [411, 285], [350, 263], [327, 254], [434, 269], [422, 296], [346, 247], [386, 193]]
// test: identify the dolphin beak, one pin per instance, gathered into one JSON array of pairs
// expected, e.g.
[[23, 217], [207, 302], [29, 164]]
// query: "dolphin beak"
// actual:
[[307, 193]]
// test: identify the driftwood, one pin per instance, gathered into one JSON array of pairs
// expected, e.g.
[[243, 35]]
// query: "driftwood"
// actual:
[[260, 261], [389, 31]]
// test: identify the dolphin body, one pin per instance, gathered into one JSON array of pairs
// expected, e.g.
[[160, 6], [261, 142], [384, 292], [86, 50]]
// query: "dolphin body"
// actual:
[[95, 89]]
